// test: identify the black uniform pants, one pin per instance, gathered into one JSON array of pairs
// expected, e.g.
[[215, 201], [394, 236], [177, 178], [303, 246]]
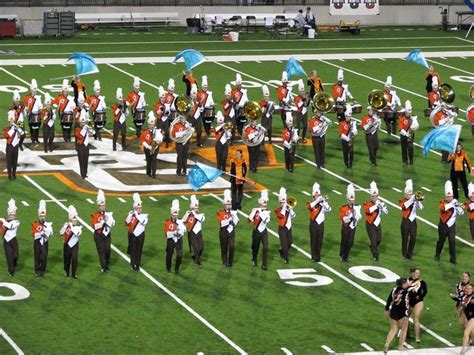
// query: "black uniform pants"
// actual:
[[83, 157], [119, 128], [237, 196], [258, 238], [471, 227], [347, 153], [446, 232], [407, 149], [302, 124], [316, 232], [70, 257], [254, 155], [347, 240], [165, 128], [375, 236], [41, 256], [289, 158], [11, 254], [182, 150], [222, 150], [227, 241], [267, 123], [136, 248], [372, 141], [103, 244], [171, 245], [67, 132], [34, 131], [319, 149], [197, 245], [48, 138], [286, 241], [150, 162], [408, 230], [461, 176], [12, 160]]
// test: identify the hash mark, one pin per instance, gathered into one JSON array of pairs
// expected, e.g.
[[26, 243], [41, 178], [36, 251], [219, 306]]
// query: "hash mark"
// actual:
[[90, 201], [395, 189], [121, 200], [153, 199], [337, 192], [26, 204], [426, 189]]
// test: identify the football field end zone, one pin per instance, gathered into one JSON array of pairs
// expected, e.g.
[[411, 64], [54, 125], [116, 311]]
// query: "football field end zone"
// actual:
[[428, 351], [11, 342], [146, 274], [244, 58], [344, 278]]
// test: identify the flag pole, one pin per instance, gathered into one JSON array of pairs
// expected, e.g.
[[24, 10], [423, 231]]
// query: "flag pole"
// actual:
[[241, 178]]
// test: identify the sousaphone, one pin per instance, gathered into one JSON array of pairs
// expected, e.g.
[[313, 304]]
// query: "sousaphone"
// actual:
[[323, 102]]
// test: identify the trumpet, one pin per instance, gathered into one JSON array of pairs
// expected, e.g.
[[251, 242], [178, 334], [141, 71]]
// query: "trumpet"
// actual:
[[419, 196], [292, 202], [447, 93], [459, 205]]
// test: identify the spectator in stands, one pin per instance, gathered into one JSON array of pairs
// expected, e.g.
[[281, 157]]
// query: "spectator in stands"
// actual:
[[309, 18], [300, 21]]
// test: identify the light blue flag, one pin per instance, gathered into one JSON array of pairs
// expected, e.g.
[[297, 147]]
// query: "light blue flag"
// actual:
[[442, 137], [417, 56], [293, 68], [85, 64], [191, 57], [199, 175]]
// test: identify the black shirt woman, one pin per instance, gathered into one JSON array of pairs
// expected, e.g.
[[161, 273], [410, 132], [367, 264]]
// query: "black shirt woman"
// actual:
[[397, 309], [468, 309], [458, 297], [417, 291]]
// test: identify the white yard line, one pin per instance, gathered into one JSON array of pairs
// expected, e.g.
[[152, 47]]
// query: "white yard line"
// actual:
[[132, 76], [89, 201], [397, 190], [286, 351], [366, 347], [19, 79], [152, 198], [147, 275], [121, 200], [24, 203], [426, 189], [464, 40], [341, 276], [408, 346], [328, 349], [450, 66], [11, 342], [337, 192]]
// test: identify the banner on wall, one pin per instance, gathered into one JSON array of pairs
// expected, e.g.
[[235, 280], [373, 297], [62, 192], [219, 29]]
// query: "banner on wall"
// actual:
[[354, 7]]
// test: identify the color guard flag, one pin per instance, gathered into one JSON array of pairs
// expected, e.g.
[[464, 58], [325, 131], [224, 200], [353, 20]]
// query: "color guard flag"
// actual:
[[293, 68], [85, 64], [442, 137], [417, 56], [191, 57], [199, 175]]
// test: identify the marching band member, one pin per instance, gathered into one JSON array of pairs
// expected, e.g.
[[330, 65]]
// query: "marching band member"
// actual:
[[17, 112], [443, 117], [410, 205], [417, 291], [82, 134], [48, 116], [252, 133], [301, 102], [97, 107], [102, 222], [207, 101], [162, 111], [340, 92], [285, 214], [429, 76], [374, 210], [317, 209], [228, 108], [136, 100], [65, 106], [31, 108], [350, 215], [459, 161], [9, 229], [390, 111], [260, 217], [189, 80], [227, 220], [240, 99], [194, 220], [41, 231], [458, 297], [150, 139], [238, 170], [397, 309], [267, 107], [136, 222], [174, 232], [315, 84], [284, 96], [449, 208], [82, 109], [170, 98], [290, 139], [469, 205], [317, 127], [434, 96], [468, 310], [120, 120], [12, 134], [71, 233], [195, 114], [78, 87], [223, 137], [182, 149], [347, 132], [407, 124], [370, 124]]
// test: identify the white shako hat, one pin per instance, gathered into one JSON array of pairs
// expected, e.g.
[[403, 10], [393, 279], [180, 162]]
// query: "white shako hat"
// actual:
[[284, 77], [282, 194], [33, 85], [238, 79], [340, 75], [228, 89], [194, 202], [227, 197], [11, 209], [72, 213], [409, 186], [408, 107], [65, 85], [100, 197], [174, 207], [448, 188], [219, 117], [263, 197], [265, 90], [350, 192], [204, 81], [171, 84], [151, 117], [136, 82], [137, 201], [47, 98], [316, 188], [374, 190], [42, 208], [96, 85]]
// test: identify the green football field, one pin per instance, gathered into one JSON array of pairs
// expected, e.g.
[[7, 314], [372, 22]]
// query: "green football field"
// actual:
[[301, 307]]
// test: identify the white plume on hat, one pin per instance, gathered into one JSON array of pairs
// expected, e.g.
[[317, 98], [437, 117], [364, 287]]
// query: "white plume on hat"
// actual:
[[434, 81], [265, 90], [71, 211], [175, 207], [369, 107], [11, 207], [100, 197], [34, 84], [470, 189], [340, 75], [194, 202], [350, 192], [96, 85], [348, 110], [282, 194], [42, 208], [289, 118], [374, 190], [194, 89], [204, 80], [11, 115], [408, 107], [47, 98], [448, 188], [219, 117], [238, 79], [227, 197], [228, 89], [83, 116], [119, 94], [301, 85], [16, 95], [65, 85], [284, 77], [316, 188], [263, 197], [151, 117], [80, 97], [161, 91], [388, 82], [137, 201], [136, 82], [409, 186], [171, 84]]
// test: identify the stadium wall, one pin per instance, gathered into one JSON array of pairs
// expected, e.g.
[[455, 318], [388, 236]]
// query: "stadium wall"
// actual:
[[389, 15]]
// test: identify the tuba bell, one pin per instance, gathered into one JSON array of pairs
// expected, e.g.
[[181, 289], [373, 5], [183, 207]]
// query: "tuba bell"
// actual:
[[252, 110], [323, 102], [184, 137], [291, 202], [184, 104], [377, 99], [447, 93]]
